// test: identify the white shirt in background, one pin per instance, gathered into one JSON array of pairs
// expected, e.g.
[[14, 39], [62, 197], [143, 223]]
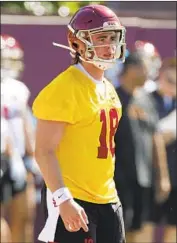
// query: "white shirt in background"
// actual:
[[14, 98]]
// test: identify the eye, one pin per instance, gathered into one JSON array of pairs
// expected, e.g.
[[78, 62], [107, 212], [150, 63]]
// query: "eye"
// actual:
[[113, 38], [102, 39]]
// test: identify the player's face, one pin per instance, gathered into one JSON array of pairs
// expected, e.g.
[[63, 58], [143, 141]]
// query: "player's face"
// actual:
[[105, 44]]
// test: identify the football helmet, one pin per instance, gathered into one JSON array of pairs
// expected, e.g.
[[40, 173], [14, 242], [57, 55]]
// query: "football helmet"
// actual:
[[89, 21], [151, 57], [11, 57]]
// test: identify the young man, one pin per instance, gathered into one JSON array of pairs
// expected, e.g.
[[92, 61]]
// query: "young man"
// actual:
[[78, 114]]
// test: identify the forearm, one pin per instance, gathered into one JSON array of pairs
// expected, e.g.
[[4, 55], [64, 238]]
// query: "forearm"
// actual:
[[50, 170], [160, 159]]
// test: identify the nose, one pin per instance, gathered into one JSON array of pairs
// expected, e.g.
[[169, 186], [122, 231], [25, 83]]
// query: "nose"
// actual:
[[111, 49]]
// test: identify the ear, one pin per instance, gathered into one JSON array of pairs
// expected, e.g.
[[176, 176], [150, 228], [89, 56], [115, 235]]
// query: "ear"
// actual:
[[76, 44], [79, 47]]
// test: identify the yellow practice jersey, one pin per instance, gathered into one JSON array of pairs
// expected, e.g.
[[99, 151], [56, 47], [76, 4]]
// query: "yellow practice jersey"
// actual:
[[86, 151]]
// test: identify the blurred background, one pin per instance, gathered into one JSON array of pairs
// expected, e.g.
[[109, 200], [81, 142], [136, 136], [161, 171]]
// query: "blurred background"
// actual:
[[32, 27], [37, 24]]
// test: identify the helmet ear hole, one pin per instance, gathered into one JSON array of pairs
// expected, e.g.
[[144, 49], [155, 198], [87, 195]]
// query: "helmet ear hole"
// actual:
[[75, 45]]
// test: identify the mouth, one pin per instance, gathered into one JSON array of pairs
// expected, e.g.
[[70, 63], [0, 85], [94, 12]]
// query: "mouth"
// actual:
[[108, 56]]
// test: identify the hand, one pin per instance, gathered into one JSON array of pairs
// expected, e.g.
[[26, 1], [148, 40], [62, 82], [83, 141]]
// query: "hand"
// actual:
[[163, 190], [136, 112], [73, 216]]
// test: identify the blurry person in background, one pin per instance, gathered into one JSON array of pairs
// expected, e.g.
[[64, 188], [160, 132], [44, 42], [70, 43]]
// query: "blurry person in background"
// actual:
[[165, 104], [78, 113], [152, 60], [136, 139], [113, 73], [5, 183], [14, 107], [168, 125]]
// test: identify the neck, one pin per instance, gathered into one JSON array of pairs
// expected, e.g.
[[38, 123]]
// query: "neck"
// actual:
[[95, 72]]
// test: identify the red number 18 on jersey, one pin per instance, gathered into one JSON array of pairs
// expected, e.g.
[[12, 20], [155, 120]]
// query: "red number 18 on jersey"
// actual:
[[104, 147]]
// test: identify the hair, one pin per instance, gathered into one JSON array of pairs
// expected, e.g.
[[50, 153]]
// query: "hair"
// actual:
[[76, 59], [71, 41], [133, 59]]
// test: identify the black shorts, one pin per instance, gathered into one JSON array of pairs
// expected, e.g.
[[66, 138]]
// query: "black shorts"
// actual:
[[165, 212], [9, 187], [5, 181], [18, 186], [105, 223], [5, 188]]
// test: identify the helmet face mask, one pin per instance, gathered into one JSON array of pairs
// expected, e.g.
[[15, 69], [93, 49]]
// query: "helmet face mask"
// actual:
[[91, 46], [96, 21]]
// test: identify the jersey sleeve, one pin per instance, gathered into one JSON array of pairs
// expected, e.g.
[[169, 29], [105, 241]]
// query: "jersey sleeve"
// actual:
[[57, 102]]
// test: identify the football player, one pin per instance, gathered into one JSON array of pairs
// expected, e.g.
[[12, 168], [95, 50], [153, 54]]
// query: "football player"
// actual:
[[14, 108], [78, 114]]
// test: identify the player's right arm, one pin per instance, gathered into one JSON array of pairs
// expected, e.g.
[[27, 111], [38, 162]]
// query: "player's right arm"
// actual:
[[48, 136], [55, 109]]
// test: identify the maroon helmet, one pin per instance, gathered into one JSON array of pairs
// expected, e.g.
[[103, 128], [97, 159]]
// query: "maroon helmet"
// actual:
[[91, 20]]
